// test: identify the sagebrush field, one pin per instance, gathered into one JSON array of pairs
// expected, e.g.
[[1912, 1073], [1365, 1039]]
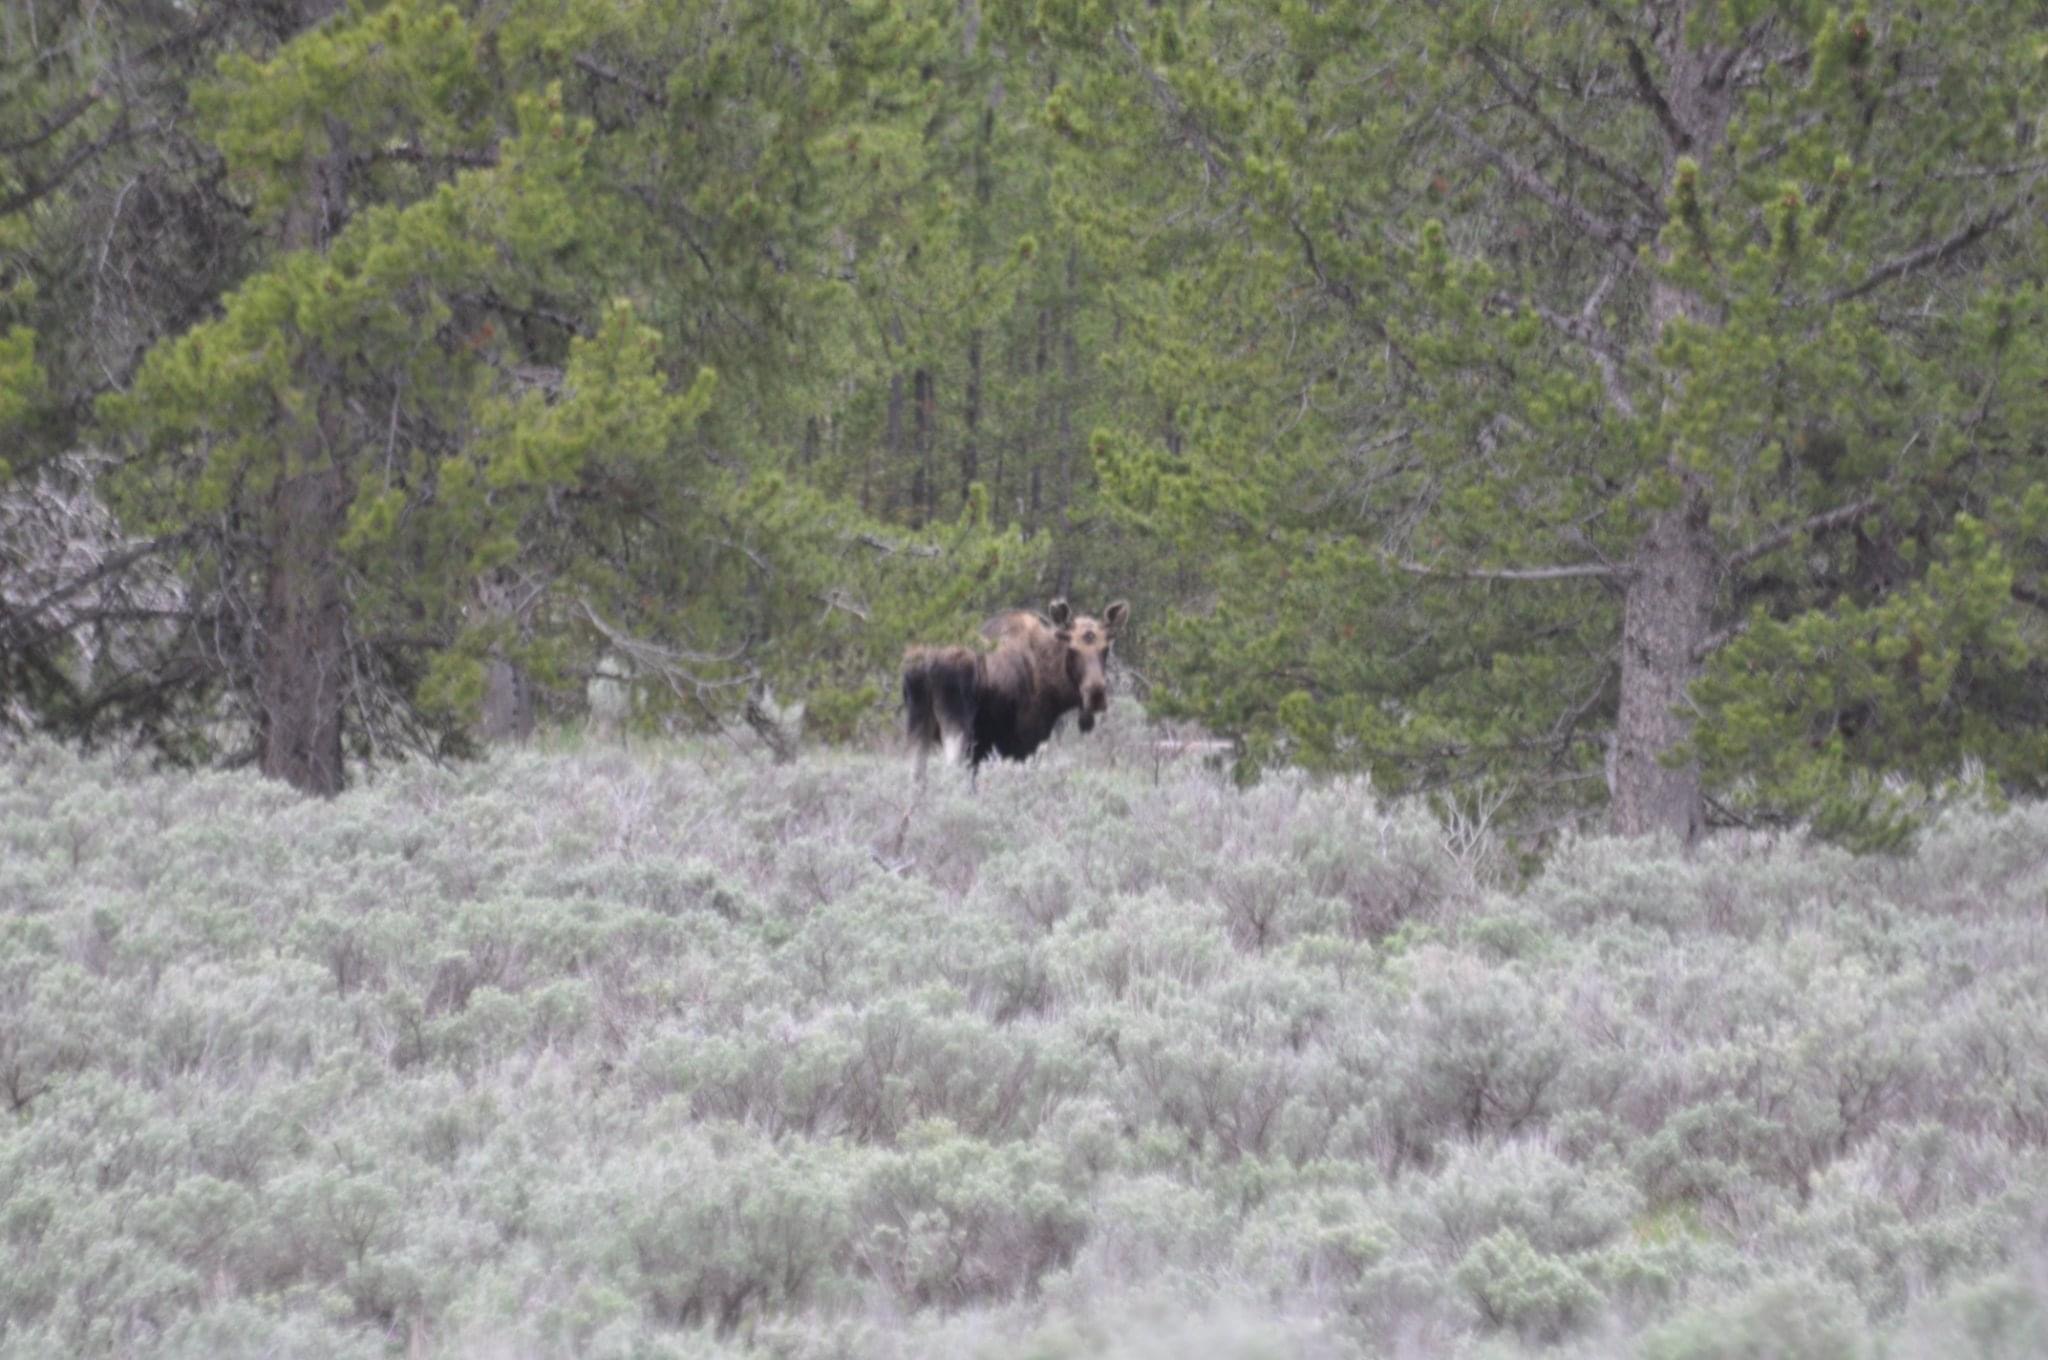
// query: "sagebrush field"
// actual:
[[672, 1052]]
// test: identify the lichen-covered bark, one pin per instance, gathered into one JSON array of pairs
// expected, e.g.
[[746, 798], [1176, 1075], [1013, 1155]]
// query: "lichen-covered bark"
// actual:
[[301, 682], [1665, 621], [1667, 614]]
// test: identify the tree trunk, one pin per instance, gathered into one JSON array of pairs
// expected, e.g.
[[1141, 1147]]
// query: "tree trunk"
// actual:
[[1665, 619], [1070, 379], [303, 662], [1667, 613], [970, 448], [508, 709], [892, 443], [508, 714], [301, 681], [1038, 438], [983, 169], [924, 416]]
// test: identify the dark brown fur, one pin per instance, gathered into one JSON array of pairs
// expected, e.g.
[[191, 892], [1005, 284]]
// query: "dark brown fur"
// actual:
[[1007, 700]]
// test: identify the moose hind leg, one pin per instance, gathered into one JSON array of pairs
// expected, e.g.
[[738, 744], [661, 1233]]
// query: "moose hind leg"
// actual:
[[954, 741]]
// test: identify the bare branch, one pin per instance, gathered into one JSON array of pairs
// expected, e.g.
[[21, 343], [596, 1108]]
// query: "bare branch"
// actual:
[[52, 124], [653, 654], [1589, 311], [1605, 350], [888, 549], [1175, 110], [1933, 252], [771, 727], [119, 131], [605, 73], [1586, 331], [1778, 148], [2028, 595], [1719, 638], [1525, 99], [1826, 522], [1347, 295], [1723, 66], [1647, 92], [1607, 233], [414, 154], [1993, 171], [490, 298], [1380, 441], [844, 601], [1573, 571], [1567, 725], [1338, 289], [892, 866], [18, 619]]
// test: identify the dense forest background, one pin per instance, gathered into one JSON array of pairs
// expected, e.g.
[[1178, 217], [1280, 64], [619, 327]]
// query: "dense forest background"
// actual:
[[1569, 409]]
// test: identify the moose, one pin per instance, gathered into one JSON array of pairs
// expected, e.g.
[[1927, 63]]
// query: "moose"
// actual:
[[1007, 699]]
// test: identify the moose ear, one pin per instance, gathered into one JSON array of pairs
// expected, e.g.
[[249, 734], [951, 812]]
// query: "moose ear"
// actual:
[[1059, 611], [1114, 617]]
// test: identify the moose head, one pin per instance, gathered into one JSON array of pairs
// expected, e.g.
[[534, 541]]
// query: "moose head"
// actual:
[[1086, 642]]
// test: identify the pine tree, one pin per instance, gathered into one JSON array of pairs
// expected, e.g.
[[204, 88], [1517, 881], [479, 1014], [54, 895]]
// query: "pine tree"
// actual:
[[112, 232], [516, 381], [1528, 361], [983, 318]]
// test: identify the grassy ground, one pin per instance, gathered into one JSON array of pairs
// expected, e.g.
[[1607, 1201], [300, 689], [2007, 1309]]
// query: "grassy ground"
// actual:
[[672, 1052]]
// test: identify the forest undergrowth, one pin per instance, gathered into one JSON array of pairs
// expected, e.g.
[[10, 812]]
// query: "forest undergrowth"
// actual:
[[669, 1051]]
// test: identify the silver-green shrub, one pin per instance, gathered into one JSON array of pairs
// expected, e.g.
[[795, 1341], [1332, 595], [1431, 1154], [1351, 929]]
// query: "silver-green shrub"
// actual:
[[671, 1053]]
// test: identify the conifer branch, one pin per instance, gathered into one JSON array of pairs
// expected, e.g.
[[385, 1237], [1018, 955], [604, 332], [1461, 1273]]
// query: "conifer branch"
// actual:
[[116, 76], [1718, 639], [34, 190], [2029, 596], [1647, 92], [1571, 571], [1347, 295], [1176, 111], [1586, 331], [586, 62], [1825, 522], [52, 124], [888, 549], [414, 154], [15, 626], [1607, 233], [490, 298], [1933, 252], [1525, 99], [1604, 349]]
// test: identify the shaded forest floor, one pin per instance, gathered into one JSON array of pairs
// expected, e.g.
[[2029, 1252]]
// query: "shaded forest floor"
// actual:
[[671, 1052]]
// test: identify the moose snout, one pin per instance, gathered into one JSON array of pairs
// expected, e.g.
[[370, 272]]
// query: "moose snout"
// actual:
[[1095, 698]]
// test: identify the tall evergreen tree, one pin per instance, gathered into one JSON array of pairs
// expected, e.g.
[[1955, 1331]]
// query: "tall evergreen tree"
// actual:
[[537, 301], [984, 318], [1527, 362], [114, 231]]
